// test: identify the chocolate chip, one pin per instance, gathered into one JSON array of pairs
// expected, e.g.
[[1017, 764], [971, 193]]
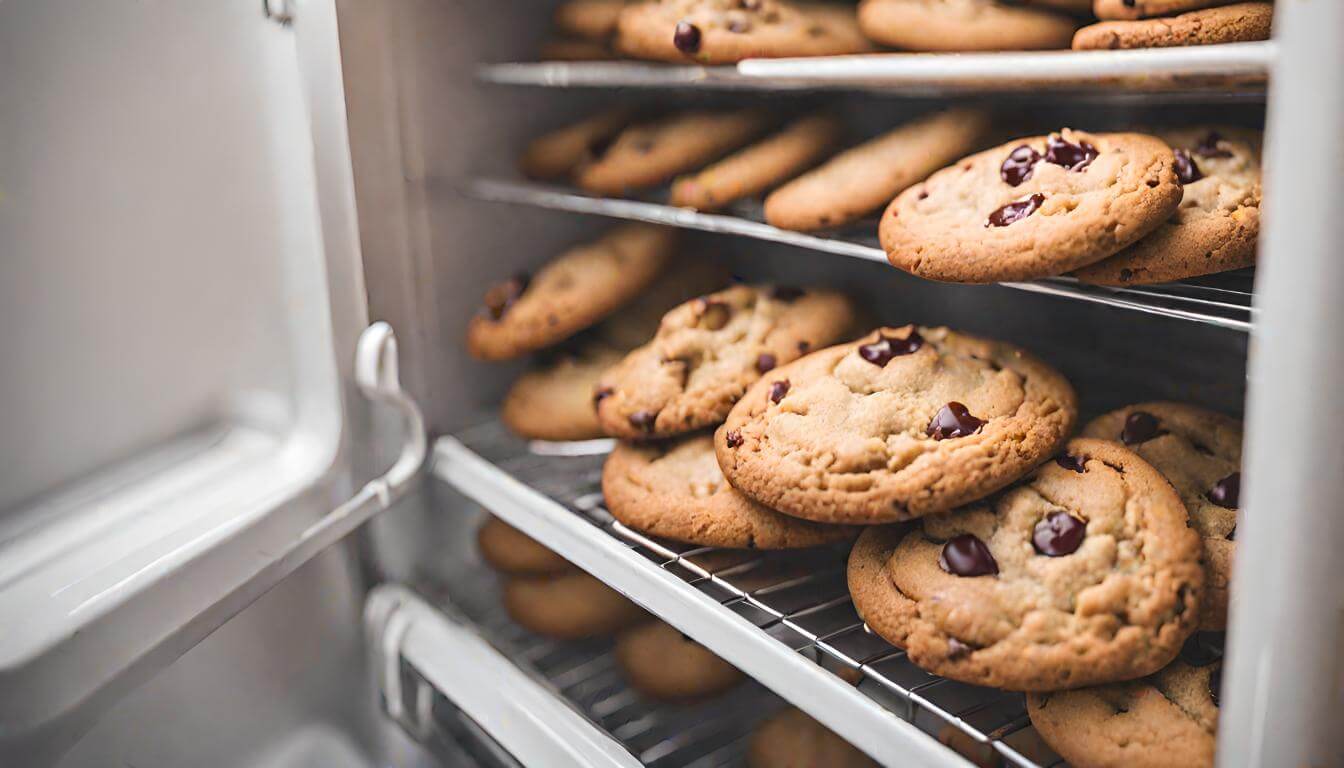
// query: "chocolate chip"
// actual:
[[1129, 3], [643, 420], [686, 37], [599, 146], [602, 393], [1074, 157], [766, 362], [1227, 492], [1185, 167], [715, 315], [1058, 534], [881, 352], [778, 390], [787, 293], [1015, 212], [1208, 146], [750, 5], [952, 420], [1216, 686], [1201, 649], [1069, 461], [957, 649], [966, 555], [1019, 166], [733, 438], [804, 346], [1140, 427], [501, 296]]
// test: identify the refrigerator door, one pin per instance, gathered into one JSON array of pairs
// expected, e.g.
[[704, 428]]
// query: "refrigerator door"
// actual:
[[185, 357]]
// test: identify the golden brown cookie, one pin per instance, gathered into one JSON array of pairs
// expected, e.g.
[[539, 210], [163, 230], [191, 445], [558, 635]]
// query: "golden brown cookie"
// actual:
[[569, 606], [1033, 207], [1199, 452], [1086, 573], [902, 423], [661, 663], [1215, 228], [1122, 10], [675, 490], [1237, 23], [963, 25], [588, 19], [791, 739], [861, 180], [557, 154], [575, 290], [709, 350], [727, 31], [555, 400], [512, 552], [686, 277], [759, 167]]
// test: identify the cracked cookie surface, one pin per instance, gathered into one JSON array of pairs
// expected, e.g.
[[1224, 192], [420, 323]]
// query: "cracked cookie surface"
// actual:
[[676, 491], [1070, 579], [904, 422], [1032, 207], [965, 25], [1199, 452], [709, 350], [727, 31]]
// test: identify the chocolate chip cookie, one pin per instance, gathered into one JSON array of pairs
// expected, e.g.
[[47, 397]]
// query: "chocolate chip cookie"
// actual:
[[662, 663], [588, 19], [727, 31], [1199, 452], [1085, 573], [709, 350], [1122, 10], [555, 401], [577, 289], [861, 180], [793, 739], [1033, 207], [569, 606], [1215, 228], [1237, 23], [963, 25], [1170, 718], [759, 167], [557, 154], [651, 153], [510, 551], [675, 490], [902, 423]]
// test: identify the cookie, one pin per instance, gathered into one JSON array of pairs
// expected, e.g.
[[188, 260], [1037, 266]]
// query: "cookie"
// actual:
[[569, 606], [728, 31], [1215, 228], [637, 322], [555, 401], [1170, 718], [709, 350], [1123, 10], [648, 154], [575, 290], [557, 154], [675, 490], [759, 167], [575, 49], [510, 551], [1032, 207], [963, 25], [1237, 23], [1199, 452], [902, 423], [791, 739], [661, 663], [861, 180], [588, 19], [1085, 573]]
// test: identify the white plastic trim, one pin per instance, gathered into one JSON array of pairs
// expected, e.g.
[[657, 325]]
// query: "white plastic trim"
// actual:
[[820, 693], [527, 719]]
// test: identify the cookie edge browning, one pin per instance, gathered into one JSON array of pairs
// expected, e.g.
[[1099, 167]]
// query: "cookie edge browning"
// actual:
[[983, 261], [882, 503], [707, 521]]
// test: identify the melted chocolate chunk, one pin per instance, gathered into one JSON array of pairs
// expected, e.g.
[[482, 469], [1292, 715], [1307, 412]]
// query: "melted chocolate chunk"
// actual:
[[686, 37], [778, 390], [952, 420], [643, 420], [804, 346], [503, 295], [1019, 166], [1015, 212], [966, 555], [766, 362], [602, 393], [1074, 157], [1208, 146], [1202, 649], [715, 316], [881, 352], [1076, 463], [1186, 169], [787, 293], [1227, 492], [1140, 427], [1058, 534], [732, 438]]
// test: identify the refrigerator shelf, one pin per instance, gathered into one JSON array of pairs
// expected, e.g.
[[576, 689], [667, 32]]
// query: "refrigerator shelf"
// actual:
[[1232, 71], [1222, 300], [783, 618]]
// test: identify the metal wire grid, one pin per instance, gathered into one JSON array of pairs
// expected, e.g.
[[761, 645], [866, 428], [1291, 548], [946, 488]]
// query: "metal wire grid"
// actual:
[[706, 734], [1220, 300], [798, 598]]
